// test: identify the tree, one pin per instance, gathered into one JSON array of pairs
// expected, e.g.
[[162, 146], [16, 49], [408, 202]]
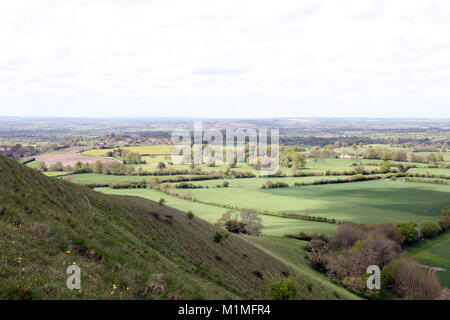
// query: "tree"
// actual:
[[42, 166], [58, 166], [428, 229], [161, 165], [132, 158], [407, 229], [299, 161], [385, 167], [409, 280], [97, 167]]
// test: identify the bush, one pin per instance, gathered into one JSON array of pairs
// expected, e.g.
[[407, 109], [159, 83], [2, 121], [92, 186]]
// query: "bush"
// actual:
[[281, 288], [408, 231], [245, 221], [190, 215], [307, 237], [428, 229], [444, 223], [218, 236], [161, 201], [406, 279], [272, 185]]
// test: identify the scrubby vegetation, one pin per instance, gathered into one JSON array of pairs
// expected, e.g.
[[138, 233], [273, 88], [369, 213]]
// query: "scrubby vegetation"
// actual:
[[346, 255]]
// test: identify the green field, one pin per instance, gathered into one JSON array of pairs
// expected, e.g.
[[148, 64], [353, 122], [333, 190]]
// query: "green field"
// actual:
[[434, 252], [430, 170], [275, 226], [33, 164], [256, 183], [368, 201]]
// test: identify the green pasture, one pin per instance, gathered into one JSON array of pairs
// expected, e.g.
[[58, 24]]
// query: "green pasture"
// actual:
[[434, 252], [368, 201], [275, 226], [256, 183]]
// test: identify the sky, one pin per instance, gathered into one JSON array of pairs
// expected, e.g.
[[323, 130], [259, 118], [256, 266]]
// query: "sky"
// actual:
[[225, 59]]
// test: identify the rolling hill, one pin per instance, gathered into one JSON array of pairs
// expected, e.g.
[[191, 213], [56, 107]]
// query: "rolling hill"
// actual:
[[127, 248]]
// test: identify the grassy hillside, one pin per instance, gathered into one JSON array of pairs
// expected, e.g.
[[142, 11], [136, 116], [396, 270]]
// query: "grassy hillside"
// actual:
[[126, 247]]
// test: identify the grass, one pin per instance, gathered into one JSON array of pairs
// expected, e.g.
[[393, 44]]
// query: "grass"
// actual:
[[361, 202], [434, 252], [292, 252], [256, 183], [129, 243], [274, 226], [33, 164], [430, 170]]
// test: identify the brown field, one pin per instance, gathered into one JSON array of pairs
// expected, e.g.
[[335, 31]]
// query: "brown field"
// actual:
[[68, 158]]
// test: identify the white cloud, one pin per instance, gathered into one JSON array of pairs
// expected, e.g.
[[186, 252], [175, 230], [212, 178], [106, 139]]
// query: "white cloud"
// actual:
[[225, 58]]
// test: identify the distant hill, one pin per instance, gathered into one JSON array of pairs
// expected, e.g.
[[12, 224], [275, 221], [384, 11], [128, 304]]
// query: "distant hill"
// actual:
[[126, 247]]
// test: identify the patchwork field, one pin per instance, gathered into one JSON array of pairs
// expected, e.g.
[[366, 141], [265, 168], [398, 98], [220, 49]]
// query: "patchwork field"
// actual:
[[256, 183], [368, 201], [275, 226]]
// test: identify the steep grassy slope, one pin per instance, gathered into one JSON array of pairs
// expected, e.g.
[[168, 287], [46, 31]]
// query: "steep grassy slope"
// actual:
[[126, 247]]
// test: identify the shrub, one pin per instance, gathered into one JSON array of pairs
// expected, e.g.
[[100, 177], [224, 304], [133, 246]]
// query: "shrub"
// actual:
[[406, 279], [246, 222], [346, 235], [218, 236], [428, 229], [161, 165], [281, 288], [444, 223], [161, 201], [307, 237], [408, 231], [190, 215], [226, 184]]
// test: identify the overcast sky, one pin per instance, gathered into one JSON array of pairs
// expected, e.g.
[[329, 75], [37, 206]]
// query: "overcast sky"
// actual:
[[256, 59]]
